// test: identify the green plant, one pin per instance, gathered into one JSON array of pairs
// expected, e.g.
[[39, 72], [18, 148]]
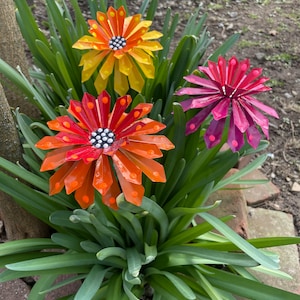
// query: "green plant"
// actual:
[[117, 248]]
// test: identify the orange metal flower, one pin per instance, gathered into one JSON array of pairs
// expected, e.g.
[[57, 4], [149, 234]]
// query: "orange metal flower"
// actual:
[[106, 151], [120, 45]]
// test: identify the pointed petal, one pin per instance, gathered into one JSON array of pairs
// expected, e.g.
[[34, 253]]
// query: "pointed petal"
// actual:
[[72, 139], [108, 66], [148, 70], [214, 132], [200, 102], [146, 150], [100, 83], [56, 181], [119, 108], [151, 168], [152, 35], [121, 85], [127, 168], [54, 159], [103, 108], [136, 80], [85, 194], [267, 109], [125, 65], [109, 199], [140, 56], [149, 127], [201, 81], [89, 105], [66, 124], [253, 136], [222, 70], [103, 177], [86, 153], [133, 192], [160, 141], [50, 142], [235, 138], [194, 123], [220, 111], [239, 117], [76, 176]]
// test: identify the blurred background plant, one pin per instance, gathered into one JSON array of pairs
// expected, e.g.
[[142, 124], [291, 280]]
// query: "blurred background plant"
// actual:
[[152, 251]]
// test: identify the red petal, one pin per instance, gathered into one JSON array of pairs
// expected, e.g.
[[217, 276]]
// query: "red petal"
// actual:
[[103, 108], [77, 176], [103, 177], [66, 124], [127, 168], [150, 127], [72, 139], [89, 105], [86, 153], [121, 104]]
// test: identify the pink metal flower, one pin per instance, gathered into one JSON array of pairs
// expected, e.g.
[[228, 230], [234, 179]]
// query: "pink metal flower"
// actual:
[[228, 92]]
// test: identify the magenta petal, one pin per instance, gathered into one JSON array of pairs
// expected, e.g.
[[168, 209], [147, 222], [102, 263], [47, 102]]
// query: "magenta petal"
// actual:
[[213, 134], [239, 117], [196, 91], [221, 109], [193, 124], [267, 109], [222, 70], [199, 102], [258, 118], [235, 138], [253, 136], [250, 77], [200, 81]]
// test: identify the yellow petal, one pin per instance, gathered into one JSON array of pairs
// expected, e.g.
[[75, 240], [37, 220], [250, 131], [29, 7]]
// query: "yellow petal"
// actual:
[[152, 35], [136, 80], [108, 66], [100, 83], [140, 56], [148, 70], [86, 42], [150, 45], [125, 65], [120, 81]]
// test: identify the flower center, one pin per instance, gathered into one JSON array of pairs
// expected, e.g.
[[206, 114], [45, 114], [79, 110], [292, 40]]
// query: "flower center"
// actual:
[[102, 138], [117, 43]]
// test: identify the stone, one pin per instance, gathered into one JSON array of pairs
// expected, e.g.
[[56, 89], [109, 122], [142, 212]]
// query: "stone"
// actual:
[[296, 187], [14, 289], [256, 194], [269, 223], [233, 203]]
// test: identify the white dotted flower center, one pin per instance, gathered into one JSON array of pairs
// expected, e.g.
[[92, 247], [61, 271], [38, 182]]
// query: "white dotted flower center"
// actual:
[[102, 138], [117, 43]]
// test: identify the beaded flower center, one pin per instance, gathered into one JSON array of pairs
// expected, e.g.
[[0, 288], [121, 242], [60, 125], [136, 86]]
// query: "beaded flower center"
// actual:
[[102, 138], [117, 43]]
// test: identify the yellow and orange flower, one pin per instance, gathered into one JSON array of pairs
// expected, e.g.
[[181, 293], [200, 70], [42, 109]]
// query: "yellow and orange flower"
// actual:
[[120, 45], [106, 151]]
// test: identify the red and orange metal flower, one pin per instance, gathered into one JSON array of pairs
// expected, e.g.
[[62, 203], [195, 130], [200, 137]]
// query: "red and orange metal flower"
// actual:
[[121, 46], [106, 151]]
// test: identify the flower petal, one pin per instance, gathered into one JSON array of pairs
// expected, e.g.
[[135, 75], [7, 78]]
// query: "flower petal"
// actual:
[[127, 168], [220, 111], [121, 85], [65, 124], [50, 142], [55, 158], [239, 117], [235, 138], [146, 150], [214, 132], [110, 196], [103, 177], [85, 153], [133, 192], [119, 108], [160, 141], [56, 181], [85, 194], [151, 168], [76, 176]]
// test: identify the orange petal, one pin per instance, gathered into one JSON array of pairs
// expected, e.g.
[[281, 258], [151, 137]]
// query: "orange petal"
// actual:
[[109, 198], [143, 149], [133, 192], [86, 193], [161, 141], [103, 178], [50, 142], [54, 159], [77, 176], [128, 170], [56, 182], [151, 168], [150, 127]]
